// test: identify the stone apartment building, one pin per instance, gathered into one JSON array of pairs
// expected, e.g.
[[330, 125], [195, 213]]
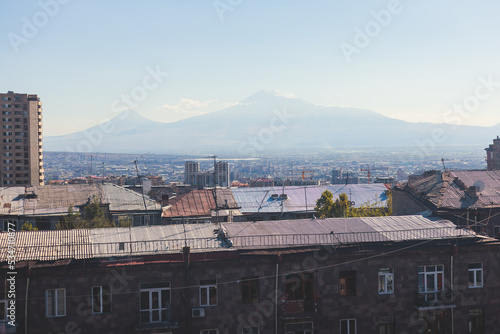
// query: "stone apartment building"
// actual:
[[21, 152], [406, 274]]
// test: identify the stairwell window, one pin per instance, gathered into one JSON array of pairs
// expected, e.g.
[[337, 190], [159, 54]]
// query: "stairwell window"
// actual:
[[385, 281], [475, 275], [208, 292], [55, 302], [348, 283]]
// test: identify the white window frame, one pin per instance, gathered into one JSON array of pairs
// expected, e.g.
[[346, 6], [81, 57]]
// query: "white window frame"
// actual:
[[209, 331], [385, 275], [427, 271], [475, 272], [348, 322], [101, 301], [206, 287], [55, 301], [304, 330], [162, 311], [250, 330]]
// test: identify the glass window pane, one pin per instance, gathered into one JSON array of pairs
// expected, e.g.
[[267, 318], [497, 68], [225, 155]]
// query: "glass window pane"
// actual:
[[106, 299], [431, 284], [61, 299], [165, 298], [389, 283], [155, 302], [50, 303], [479, 279], [144, 316], [155, 315], [203, 296], [96, 299], [471, 278], [144, 300], [213, 295]]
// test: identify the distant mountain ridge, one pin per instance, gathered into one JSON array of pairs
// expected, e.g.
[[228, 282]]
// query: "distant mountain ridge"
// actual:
[[265, 122]]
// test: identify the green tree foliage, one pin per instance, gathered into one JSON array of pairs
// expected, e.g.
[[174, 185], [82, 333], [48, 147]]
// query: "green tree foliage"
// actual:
[[92, 216], [341, 207], [28, 227], [324, 205]]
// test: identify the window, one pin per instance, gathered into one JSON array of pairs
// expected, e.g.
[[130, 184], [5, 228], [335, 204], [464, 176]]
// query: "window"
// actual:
[[155, 302], [250, 290], [348, 326], [5, 98], [3, 311], [476, 322], [250, 330], [299, 328], [209, 331], [475, 275], [299, 286], [385, 281], [386, 325], [430, 281], [101, 299], [55, 302], [208, 292], [348, 283]]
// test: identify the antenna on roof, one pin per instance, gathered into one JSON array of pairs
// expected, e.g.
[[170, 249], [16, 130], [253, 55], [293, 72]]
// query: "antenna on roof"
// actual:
[[444, 167]]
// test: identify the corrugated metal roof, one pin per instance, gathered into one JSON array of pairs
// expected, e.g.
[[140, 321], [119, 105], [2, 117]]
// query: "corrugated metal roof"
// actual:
[[455, 189], [149, 240], [55, 200], [286, 233], [302, 198], [48, 245]]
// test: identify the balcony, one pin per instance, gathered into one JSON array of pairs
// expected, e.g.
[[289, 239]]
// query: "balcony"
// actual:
[[435, 300], [296, 309]]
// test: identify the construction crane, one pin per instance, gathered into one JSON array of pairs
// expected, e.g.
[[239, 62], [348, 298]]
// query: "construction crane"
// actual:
[[304, 173], [369, 174]]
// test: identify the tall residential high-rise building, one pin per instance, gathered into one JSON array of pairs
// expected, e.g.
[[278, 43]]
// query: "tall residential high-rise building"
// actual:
[[191, 168], [222, 174], [21, 153], [493, 155]]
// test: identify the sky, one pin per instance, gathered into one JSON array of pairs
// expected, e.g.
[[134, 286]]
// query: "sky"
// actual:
[[432, 61]]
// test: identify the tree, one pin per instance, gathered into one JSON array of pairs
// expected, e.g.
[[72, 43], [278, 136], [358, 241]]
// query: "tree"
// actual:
[[341, 207], [28, 227], [92, 216], [324, 205]]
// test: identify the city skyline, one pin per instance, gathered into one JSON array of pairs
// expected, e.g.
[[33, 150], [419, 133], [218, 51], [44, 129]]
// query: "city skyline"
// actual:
[[397, 58]]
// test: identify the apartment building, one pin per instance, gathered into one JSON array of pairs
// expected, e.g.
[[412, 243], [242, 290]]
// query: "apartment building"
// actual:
[[384, 275], [21, 152]]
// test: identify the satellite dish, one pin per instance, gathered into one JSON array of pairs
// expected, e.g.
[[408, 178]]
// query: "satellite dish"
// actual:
[[479, 185]]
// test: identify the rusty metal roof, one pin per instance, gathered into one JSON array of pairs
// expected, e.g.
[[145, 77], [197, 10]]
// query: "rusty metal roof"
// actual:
[[459, 189], [55, 200], [150, 240], [199, 203]]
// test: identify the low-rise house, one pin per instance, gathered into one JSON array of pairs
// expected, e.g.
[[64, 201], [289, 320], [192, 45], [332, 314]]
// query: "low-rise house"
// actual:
[[408, 274], [45, 206], [467, 198]]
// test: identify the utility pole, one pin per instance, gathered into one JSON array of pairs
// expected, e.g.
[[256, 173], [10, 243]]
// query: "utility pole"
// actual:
[[215, 190], [142, 190]]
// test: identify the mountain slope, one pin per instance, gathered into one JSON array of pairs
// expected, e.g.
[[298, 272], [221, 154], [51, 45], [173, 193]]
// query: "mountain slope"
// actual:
[[266, 122]]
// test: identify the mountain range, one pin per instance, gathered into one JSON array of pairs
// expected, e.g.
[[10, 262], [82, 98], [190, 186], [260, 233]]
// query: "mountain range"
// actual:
[[266, 122]]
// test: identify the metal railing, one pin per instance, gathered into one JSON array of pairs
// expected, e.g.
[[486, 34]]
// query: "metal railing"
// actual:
[[151, 247]]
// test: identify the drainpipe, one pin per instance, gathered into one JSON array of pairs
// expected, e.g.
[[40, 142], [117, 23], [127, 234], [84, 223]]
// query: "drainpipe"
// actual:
[[276, 300], [453, 293], [26, 301]]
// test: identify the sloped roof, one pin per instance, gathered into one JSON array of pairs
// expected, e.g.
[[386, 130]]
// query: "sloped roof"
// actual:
[[150, 240], [459, 189], [303, 198], [199, 203], [55, 200]]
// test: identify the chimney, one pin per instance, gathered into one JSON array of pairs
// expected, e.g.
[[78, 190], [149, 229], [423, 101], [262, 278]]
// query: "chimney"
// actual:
[[164, 200]]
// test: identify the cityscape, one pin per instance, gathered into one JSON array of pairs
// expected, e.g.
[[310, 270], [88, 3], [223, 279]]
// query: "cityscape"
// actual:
[[249, 167]]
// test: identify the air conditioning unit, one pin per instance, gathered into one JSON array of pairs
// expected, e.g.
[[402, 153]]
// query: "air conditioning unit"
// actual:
[[198, 312]]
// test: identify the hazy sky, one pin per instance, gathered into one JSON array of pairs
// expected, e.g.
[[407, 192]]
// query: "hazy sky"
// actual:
[[412, 60]]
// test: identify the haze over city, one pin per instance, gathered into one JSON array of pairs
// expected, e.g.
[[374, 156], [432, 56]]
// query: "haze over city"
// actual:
[[410, 60]]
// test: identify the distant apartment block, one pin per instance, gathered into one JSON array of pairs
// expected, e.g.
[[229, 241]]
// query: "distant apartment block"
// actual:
[[21, 162], [194, 176], [493, 155], [191, 168]]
